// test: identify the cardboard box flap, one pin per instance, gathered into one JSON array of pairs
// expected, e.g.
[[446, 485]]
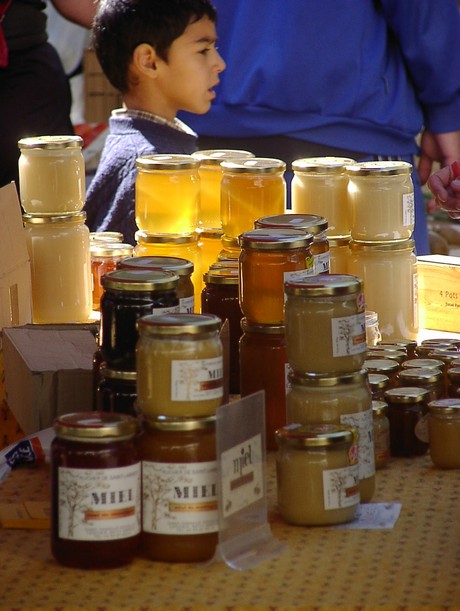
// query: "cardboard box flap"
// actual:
[[13, 246]]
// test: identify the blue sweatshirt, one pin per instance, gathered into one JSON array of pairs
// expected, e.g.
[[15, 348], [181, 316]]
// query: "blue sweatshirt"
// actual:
[[363, 75]]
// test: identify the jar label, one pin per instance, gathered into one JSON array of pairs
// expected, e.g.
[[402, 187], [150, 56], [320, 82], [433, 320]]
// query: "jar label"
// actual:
[[168, 310], [197, 379], [363, 422], [348, 335], [299, 273], [99, 504], [341, 487], [415, 298], [179, 498], [408, 209], [187, 305], [322, 263]]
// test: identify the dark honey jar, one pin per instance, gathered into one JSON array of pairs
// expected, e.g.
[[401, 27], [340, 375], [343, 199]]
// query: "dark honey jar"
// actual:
[[408, 416], [96, 490], [117, 392]]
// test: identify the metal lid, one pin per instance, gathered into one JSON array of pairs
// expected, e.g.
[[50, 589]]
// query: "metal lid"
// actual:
[[214, 157], [255, 165], [116, 374], [406, 394], [142, 237], [167, 423], [453, 373], [379, 408], [421, 374], [51, 142], [178, 324], [405, 343], [337, 241], [312, 223], [323, 285], [47, 219], [140, 280], [455, 341], [94, 426], [322, 165], [379, 168], [210, 234], [222, 275], [314, 435], [111, 249], [445, 407], [378, 381], [437, 363], [252, 327], [153, 163], [381, 365], [275, 239], [396, 355], [325, 380], [106, 236], [370, 247], [178, 265]]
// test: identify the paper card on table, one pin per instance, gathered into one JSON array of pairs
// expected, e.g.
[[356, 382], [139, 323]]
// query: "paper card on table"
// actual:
[[374, 516]]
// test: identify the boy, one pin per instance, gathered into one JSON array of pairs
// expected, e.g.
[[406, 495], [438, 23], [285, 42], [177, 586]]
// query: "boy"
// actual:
[[161, 55]]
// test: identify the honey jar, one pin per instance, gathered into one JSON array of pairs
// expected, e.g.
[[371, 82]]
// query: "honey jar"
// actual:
[[378, 384], [430, 378], [105, 236], [96, 490], [407, 413], [310, 462], [268, 258], [408, 345], [116, 391], [339, 254], [210, 245], [444, 433], [383, 366], [105, 257], [381, 433], [453, 382]]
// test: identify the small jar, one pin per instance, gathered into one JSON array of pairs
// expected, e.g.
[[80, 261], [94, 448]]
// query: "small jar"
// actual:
[[325, 323], [344, 400], [319, 186], [106, 236], [447, 341], [381, 196], [372, 329], [220, 297], [185, 353], [453, 382], [423, 363], [375, 352], [52, 175], [424, 350], [429, 378], [60, 266], [250, 189], [166, 184], [128, 295], [181, 267], [389, 273], [381, 433], [310, 223], [264, 366], [210, 245], [317, 474], [408, 345], [105, 257], [339, 255], [117, 392], [96, 490], [210, 178], [179, 480], [407, 413], [268, 258], [444, 433], [378, 384], [382, 366]]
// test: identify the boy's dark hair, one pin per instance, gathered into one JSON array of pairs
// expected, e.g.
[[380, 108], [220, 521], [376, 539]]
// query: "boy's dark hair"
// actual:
[[121, 25]]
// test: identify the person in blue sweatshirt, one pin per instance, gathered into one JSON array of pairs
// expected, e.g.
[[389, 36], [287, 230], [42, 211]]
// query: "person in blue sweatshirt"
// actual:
[[362, 79], [162, 57]]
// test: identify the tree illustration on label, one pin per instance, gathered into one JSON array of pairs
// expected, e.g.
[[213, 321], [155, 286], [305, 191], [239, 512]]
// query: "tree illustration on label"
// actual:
[[74, 499]]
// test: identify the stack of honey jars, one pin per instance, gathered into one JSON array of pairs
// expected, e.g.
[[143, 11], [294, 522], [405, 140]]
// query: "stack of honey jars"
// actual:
[[52, 193]]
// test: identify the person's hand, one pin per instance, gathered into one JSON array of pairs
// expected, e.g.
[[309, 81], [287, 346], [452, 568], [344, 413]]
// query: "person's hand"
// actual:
[[445, 186]]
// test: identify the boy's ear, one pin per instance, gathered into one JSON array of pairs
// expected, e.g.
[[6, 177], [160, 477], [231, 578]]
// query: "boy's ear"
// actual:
[[145, 60]]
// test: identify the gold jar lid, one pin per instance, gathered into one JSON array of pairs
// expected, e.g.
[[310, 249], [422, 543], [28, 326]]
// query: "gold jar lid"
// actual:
[[408, 344], [338, 241], [381, 365], [252, 327], [372, 352], [378, 381], [153, 163], [111, 249], [168, 423], [214, 157], [224, 264], [369, 247], [255, 165], [95, 426], [322, 165], [223, 275], [140, 280], [106, 236], [318, 380], [379, 168], [49, 219], [454, 341], [311, 223], [116, 374], [437, 363], [305, 436], [420, 374], [142, 237], [275, 239], [212, 234], [379, 408], [178, 265], [51, 142], [324, 285], [445, 407], [178, 324], [406, 395]]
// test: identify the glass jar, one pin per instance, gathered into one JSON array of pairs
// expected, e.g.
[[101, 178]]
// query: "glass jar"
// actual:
[[167, 194], [381, 196], [105, 236], [389, 273], [211, 177], [376, 352], [407, 413], [408, 345], [319, 186], [210, 245], [423, 363], [96, 490], [444, 433], [179, 480], [344, 400], [372, 328], [386, 367], [423, 350], [264, 366], [310, 223], [105, 257], [60, 266], [128, 295], [268, 258], [52, 175], [431, 379], [185, 352], [325, 323], [220, 297], [117, 391], [181, 267], [339, 254], [453, 382], [378, 384], [317, 474], [250, 189], [381, 433]]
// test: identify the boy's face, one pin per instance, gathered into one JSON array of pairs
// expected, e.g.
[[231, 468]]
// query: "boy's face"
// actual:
[[187, 80]]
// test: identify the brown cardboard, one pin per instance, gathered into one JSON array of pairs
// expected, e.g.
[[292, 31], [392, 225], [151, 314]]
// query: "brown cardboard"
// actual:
[[439, 292], [15, 279], [48, 372]]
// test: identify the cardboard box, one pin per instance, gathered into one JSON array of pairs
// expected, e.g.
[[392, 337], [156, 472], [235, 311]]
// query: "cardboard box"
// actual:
[[439, 292], [15, 278], [48, 372], [100, 97]]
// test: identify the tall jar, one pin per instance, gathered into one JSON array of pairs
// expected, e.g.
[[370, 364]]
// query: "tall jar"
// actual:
[[343, 399], [128, 295], [325, 323], [95, 490], [310, 223], [179, 480], [319, 186], [167, 194], [389, 272], [250, 189], [408, 416], [268, 258], [52, 175], [264, 366], [211, 177], [444, 433], [179, 363], [381, 196], [105, 257], [60, 264]]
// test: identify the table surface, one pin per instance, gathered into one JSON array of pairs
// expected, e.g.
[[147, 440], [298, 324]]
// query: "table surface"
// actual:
[[415, 564]]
